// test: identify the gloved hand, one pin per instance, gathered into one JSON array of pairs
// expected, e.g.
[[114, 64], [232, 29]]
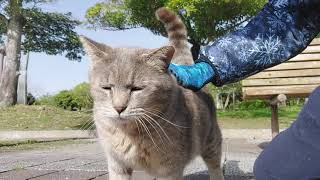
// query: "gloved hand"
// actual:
[[193, 77]]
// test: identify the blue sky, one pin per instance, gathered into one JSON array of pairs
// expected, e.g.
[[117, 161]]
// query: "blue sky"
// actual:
[[51, 74]]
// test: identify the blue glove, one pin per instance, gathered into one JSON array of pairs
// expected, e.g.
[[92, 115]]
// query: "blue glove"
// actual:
[[193, 77]]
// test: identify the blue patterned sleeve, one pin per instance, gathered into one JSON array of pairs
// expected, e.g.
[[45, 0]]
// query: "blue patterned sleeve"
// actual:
[[282, 29]]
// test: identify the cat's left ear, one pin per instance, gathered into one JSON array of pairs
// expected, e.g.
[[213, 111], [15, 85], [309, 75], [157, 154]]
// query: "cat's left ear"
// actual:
[[160, 58]]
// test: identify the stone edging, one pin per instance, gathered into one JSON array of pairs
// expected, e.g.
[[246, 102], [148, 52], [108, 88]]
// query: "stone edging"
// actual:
[[45, 135], [250, 134]]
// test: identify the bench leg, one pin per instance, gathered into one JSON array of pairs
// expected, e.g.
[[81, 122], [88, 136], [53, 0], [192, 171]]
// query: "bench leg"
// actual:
[[274, 120], [275, 116]]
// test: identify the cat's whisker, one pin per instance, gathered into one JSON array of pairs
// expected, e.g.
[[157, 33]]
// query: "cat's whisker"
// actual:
[[158, 124], [149, 134], [158, 111], [178, 126], [150, 122], [147, 131], [91, 126], [87, 123], [137, 124]]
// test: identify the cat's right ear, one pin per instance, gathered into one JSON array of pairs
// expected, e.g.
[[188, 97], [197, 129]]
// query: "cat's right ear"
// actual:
[[94, 49]]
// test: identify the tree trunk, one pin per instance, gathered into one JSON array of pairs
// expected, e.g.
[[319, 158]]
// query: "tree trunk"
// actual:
[[218, 101], [22, 81], [195, 50], [227, 102], [233, 99], [9, 77], [2, 54]]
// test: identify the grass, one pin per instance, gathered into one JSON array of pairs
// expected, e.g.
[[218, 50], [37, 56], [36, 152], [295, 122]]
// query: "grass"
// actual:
[[42, 118], [52, 118], [9, 146], [257, 118]]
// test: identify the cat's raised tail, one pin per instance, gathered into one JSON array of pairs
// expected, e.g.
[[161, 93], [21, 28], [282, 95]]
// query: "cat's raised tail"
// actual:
[[177, 34]]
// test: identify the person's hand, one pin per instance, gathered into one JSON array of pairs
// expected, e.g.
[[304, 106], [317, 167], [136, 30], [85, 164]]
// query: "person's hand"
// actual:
[[193, 77]]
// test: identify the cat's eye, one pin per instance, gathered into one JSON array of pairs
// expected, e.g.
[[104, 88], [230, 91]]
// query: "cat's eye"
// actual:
[[106, 88], [136, 88]]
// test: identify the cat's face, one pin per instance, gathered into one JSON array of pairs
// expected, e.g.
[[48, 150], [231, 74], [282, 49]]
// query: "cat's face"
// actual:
[[129, 84]]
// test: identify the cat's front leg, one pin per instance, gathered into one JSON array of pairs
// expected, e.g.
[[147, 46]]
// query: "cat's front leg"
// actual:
[[118, 171]]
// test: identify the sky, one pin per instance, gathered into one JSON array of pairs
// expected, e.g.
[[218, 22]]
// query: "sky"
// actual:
[[48, 75]]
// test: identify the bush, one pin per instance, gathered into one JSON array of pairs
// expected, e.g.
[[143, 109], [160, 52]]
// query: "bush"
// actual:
[[45, 100], [65, 100], [30, 99], [75, 99], [82, 96], [252, 104]]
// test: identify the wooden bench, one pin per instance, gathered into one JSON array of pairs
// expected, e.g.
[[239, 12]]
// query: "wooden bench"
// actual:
[[297, 77]]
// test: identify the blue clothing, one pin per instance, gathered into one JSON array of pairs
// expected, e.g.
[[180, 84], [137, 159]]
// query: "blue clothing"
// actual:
[[185, 75], [295, 153], [279, 32]]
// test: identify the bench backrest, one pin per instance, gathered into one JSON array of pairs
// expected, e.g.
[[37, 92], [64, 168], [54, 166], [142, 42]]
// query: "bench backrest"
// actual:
[[297, 77]]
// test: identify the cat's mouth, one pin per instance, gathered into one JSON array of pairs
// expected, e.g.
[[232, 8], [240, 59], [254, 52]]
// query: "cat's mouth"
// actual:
[[123, 119], [128, 117]]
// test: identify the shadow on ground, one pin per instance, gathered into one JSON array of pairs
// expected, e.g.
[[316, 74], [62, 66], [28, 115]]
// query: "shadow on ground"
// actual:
[[231, 171], [263, 145]]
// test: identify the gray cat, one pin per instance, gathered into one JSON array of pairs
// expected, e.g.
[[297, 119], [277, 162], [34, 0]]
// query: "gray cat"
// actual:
[[144, 119]]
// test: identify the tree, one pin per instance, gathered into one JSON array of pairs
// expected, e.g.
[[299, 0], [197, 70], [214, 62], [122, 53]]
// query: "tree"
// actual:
[[24, 26], [206, 20]]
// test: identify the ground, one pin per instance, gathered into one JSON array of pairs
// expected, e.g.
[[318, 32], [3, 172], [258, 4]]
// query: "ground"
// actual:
[[83, 159], [86, 161]]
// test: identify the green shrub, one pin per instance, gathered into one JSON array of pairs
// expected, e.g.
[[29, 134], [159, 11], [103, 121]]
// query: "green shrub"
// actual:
[[47, 100], [30, 99], [82, 96], [252, 105], [76, 99], [65, 100]]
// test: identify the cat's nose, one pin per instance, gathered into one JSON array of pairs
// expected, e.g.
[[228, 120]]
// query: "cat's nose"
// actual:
[[120, 109]]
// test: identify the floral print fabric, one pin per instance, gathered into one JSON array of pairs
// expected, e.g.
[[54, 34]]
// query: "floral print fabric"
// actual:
[[283, 29]]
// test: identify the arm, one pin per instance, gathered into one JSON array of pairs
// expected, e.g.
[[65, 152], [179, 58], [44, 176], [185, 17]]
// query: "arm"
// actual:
[[279, 32]]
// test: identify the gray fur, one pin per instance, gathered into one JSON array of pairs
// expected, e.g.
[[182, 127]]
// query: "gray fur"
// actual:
[[162, 126]]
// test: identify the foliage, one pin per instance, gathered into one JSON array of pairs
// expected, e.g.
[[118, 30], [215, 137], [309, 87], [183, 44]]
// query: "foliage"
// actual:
[[45, 100], [30, 99], [2, 31], [51, 33], [223, 94], [82, 96], [76, 99], [206, 20], [65, 100], [252, 105], [257, 118], [227, 89]]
